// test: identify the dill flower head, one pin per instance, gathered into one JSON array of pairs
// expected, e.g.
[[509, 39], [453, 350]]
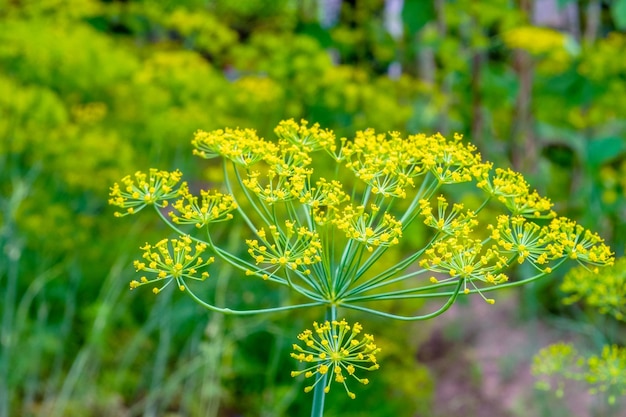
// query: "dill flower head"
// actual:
[[582, 245], [335, 348], [605, 291], [525, 240], [313, 138], [536, 40], [371, 228], [383, 163], [323, 200], [172, 260], [288, 246], [466, 260], [136, 193], [602, 373], [512, 190], [451, 161], [213, 207], [274, 187], [241, 146], [606, 372], [453, 223]]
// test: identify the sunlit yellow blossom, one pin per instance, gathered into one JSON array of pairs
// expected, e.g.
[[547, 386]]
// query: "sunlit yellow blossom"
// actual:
[[213, 207], [242, 146], [335, 349], [603, 373], [577, 243], [289, 246], [383, 163], [606, 371], [600, 64], [172, 259], [156, 188], [536, 40], [274, 188], [604, 290], [372, 228], [311, 138], [523, 239], [451, 162], [324, 199], [452, 223], [466, 259], [511, 189], [289, 159], [553, 50]]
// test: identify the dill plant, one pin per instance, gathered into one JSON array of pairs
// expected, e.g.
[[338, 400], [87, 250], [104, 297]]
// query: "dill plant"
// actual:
[[603, 372], [320, 232]]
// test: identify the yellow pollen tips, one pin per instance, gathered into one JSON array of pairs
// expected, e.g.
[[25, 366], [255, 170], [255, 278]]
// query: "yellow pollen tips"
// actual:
[[172, 259], [334, 347]]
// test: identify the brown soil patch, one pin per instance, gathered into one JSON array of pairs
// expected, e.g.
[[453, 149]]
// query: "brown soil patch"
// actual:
[[480, 357]]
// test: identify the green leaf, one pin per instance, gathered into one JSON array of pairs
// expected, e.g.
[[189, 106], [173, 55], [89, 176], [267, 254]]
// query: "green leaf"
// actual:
[[601, 151], [416, 14], [618, 10]]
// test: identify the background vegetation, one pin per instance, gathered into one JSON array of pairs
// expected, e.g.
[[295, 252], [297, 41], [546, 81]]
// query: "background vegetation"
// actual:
[[93, 90]]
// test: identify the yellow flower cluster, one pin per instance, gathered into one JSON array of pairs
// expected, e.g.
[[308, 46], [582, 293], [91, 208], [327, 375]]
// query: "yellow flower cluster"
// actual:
[[603, 373], [277, 187], [213, 207], [517, 237], [553, 50], [465, 259], [606, 372], [535, 40], [324, 199], [605, 292], [511, 189], [312, 138], [524, 240], [580, 244], [371, 228], [242, 146], [172, 260], [390, 165], [599, 63], [454, 223], [136, 193], [286, 247], [334, 348]]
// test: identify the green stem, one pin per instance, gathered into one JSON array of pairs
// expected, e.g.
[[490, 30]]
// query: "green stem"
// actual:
[[441, 310], [247, 312], [263, 214], [317, 410]]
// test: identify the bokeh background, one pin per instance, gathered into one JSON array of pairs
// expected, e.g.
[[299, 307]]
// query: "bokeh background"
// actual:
[[92, 90]]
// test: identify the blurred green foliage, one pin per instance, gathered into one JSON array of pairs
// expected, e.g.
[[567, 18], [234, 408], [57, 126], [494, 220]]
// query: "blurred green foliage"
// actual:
[[93, 90]]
